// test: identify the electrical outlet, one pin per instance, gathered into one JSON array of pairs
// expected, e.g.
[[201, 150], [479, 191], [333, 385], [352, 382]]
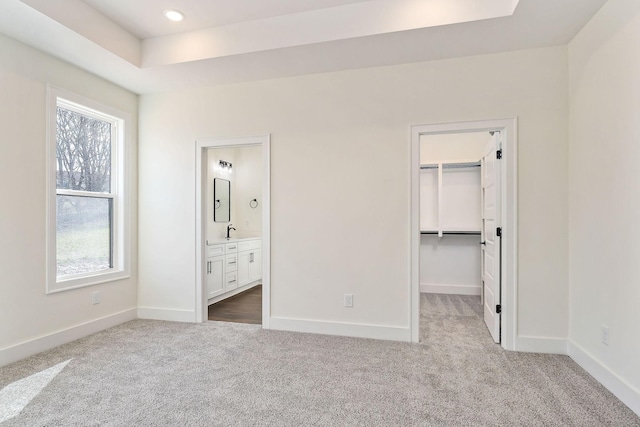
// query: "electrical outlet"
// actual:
[[348, 300], [604, 335], [95, 297]]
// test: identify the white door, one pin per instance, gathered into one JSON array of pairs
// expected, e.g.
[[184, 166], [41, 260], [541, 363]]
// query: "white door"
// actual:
[[491, 240]]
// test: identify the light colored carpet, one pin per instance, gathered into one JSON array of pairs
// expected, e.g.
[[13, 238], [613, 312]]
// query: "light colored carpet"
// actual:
[[153, 373]]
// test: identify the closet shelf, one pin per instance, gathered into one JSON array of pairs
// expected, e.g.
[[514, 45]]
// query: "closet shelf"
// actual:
[[459, 232], [452, 165]]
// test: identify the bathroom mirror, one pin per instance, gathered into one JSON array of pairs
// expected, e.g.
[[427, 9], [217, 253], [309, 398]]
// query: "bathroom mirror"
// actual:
[[221, 200]]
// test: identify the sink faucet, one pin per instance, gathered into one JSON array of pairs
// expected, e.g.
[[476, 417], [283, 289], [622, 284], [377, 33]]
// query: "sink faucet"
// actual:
[[229, 228]]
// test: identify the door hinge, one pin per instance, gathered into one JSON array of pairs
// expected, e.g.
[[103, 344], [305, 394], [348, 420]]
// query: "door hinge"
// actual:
[[499, 231], [498, 309], [499, 154]]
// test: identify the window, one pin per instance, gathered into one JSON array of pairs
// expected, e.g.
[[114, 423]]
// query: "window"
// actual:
[[87, 227]]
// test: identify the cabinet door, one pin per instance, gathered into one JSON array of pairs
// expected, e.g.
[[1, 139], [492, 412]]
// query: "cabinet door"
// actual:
[[255, 265], [215, 276], [243, 267]]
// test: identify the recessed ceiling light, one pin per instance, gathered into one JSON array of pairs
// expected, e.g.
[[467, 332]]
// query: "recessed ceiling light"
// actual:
[[174, 15]]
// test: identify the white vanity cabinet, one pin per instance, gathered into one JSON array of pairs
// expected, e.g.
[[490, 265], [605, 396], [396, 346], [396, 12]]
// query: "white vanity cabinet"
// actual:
[[249, 261], [215, 271], [255, 265], [232, 267]]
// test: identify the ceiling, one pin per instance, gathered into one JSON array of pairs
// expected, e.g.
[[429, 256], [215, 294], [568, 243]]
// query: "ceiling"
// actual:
[[231, 41], [144, 18]]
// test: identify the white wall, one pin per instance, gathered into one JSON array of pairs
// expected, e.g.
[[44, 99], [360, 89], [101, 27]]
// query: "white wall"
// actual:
[[340, 184], [605, 197], [248, 187], [453, 146], [450, 265], [26, 312], [246, 184]]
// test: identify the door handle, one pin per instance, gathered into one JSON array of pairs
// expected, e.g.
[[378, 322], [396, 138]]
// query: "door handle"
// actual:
[[483, 243], [251, 257], [208, 267]]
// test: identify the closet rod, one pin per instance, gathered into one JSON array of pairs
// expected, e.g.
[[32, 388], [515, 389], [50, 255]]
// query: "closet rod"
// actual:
[[454, 233], [451, 166]]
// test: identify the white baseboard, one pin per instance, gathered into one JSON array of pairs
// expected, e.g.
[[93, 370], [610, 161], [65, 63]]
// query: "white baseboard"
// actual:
[[430, 288], [55, 339], [170, 314], [546, 345], [380, 332], [624, 391]]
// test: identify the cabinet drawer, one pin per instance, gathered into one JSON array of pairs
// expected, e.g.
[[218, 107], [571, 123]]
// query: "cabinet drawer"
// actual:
[[231, 262], [231, 281], [232, 248], [215, 250], [249, 245]]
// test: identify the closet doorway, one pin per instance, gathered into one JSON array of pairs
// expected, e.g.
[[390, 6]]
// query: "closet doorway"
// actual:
[[463, 219]]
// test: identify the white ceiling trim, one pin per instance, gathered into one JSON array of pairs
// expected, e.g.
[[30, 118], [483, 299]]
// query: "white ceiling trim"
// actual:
[[144, 18], [81, 18], [318, 26], [23, 23]]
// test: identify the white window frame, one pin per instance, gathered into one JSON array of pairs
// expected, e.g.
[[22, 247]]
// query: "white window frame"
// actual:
[[119, 191]]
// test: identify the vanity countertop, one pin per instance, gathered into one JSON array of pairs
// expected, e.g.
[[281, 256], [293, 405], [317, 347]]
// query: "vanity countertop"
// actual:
[[231, 240]]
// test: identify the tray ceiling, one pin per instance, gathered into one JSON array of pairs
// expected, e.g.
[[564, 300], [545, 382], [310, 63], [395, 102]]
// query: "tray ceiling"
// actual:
[[229, 41]]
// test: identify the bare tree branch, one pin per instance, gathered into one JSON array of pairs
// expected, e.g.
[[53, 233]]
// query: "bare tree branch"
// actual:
[[83, 150]]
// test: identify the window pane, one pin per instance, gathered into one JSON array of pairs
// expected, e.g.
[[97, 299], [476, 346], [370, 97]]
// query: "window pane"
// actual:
[[83, 235], [83, 152]]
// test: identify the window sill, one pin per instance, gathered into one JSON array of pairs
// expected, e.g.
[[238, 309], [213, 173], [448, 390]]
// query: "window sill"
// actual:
[[88, 280]]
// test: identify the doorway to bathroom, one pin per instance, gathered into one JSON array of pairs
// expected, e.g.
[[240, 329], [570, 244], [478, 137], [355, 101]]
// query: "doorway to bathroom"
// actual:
[[233, 229], [463, 224]]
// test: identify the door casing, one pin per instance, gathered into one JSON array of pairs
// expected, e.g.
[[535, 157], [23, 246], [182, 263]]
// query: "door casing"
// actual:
[[509, 289]]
